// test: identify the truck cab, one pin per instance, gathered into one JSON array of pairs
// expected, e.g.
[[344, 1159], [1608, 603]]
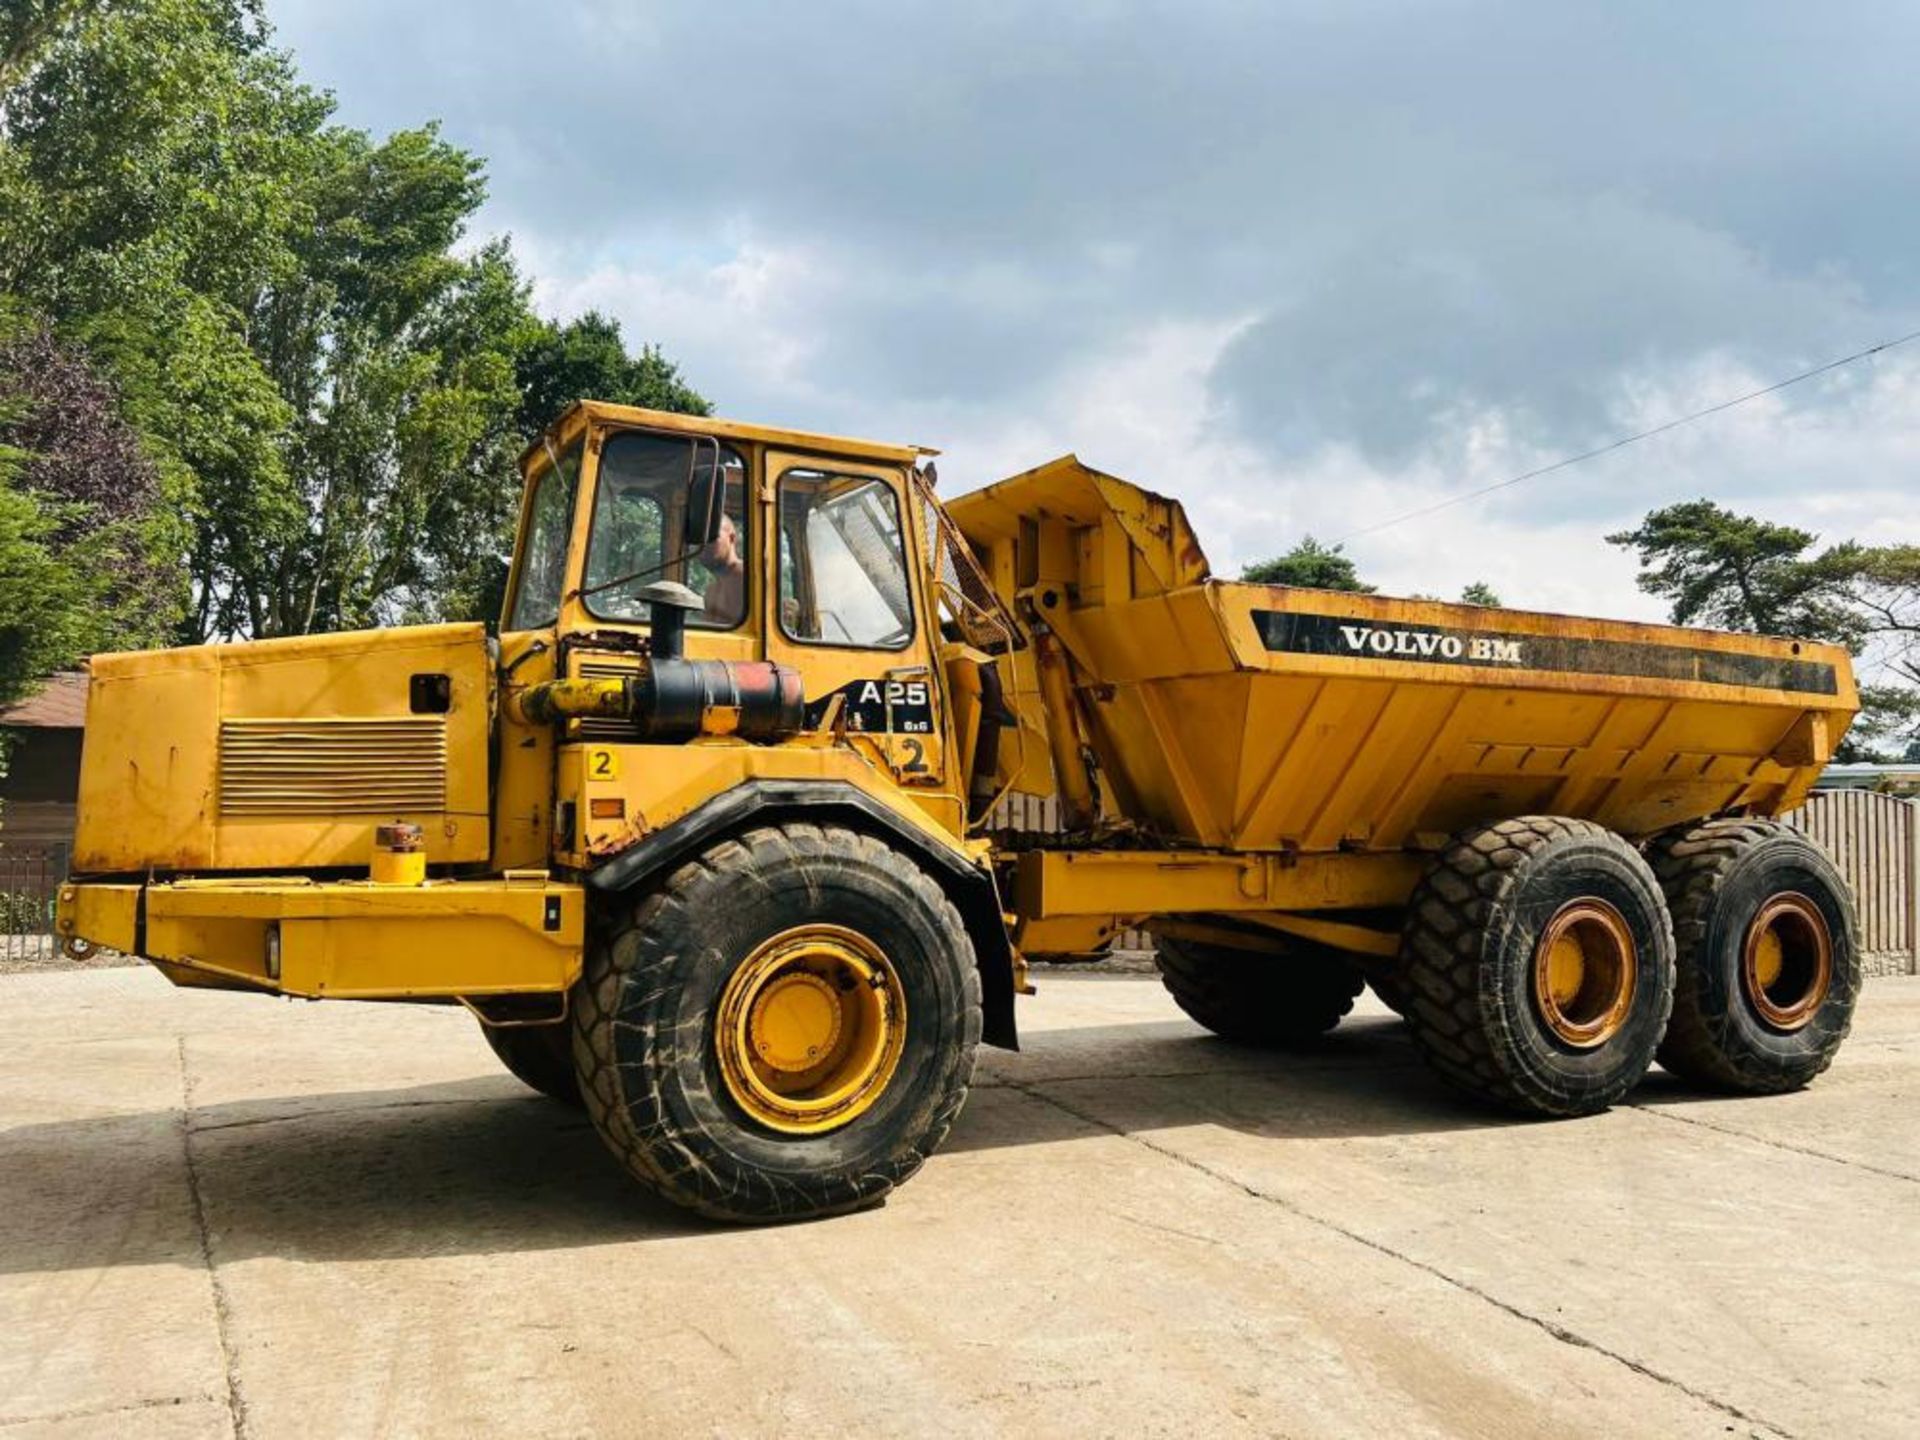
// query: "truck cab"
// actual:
[[809, 554]]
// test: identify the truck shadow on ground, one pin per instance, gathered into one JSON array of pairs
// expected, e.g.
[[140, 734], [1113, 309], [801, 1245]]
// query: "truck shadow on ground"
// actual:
[[481, 1165]]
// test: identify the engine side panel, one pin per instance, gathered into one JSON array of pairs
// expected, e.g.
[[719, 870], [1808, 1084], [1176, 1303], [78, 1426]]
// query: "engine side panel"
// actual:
[[284, 754]]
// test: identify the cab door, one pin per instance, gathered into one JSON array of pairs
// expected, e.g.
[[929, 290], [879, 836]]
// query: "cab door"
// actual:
[[847, 608]]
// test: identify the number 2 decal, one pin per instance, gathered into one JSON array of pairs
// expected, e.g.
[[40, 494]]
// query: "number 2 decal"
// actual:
[[603, 765], [916, 757]]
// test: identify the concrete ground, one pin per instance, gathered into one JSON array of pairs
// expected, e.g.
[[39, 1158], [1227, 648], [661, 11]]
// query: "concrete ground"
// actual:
[[225, 1215]]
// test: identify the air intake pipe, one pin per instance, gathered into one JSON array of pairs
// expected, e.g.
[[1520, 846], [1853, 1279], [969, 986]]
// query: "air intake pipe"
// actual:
[[672, 698]]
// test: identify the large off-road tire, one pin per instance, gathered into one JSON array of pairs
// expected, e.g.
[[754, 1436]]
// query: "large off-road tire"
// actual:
[[784, 1028], [1282, 997], [1769, 960], [538, 1055], [1390, 986], [1539, 965]]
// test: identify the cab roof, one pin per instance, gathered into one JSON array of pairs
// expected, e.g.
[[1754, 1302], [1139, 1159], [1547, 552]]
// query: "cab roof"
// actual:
[[600, 412]]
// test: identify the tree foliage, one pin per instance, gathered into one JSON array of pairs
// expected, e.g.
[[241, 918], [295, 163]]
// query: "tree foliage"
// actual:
[[77, 515], [1312, 565], [1480, 593], [587, 359], [326, 380], [1736, 572]]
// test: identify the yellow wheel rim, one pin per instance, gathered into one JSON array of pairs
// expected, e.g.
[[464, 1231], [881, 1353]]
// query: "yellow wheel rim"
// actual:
[[1787, 961], [810, 1029], [1583, 973]]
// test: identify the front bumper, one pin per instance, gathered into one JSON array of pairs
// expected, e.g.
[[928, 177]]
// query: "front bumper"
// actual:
[[341, 939]]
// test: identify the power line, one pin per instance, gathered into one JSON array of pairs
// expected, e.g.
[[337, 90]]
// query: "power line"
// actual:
[[1626, 440]]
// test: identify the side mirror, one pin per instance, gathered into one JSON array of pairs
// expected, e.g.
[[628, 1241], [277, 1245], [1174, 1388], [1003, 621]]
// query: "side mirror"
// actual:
[[706, 498]]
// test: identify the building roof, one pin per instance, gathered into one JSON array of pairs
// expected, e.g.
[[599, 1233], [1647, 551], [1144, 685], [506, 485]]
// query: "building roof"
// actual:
[[61, 704]]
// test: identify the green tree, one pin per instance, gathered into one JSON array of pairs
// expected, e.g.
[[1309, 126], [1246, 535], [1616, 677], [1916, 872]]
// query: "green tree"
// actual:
[[27, 29], [1717, 568], [331, 379], [1734, 572], [47, 611], [1309, 564], [1886, 590], [587, 359], [151, 168], [90, 480], [1480, 593], [77, 495]]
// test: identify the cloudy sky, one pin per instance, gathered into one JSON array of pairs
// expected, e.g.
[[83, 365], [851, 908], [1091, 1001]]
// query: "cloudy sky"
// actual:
[[1306, 266]]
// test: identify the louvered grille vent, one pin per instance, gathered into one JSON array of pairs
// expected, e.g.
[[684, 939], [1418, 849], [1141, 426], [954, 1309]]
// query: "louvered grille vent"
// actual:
[[607, 728], [338, 766]]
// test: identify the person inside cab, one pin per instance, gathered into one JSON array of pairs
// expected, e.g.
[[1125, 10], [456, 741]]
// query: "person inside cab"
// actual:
[[725, 601]]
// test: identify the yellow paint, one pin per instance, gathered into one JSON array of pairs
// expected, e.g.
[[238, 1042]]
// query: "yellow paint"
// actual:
[[283, 753], [663, 783], [357, 940], [810, 1029], [397, 867], [604, 416], [1274, 788], [1203, 733], [1768, 957], [1584, 973], [1153, 882], [106, 915], [523, 760]]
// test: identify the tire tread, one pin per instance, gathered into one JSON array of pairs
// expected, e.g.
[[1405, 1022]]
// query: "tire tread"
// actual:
[[652, 1147], [1453, 907], [1691, 866], [1256, 999]]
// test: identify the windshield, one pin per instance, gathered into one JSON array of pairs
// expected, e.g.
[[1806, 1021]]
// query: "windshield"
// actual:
[[543, 560], [639, 515]]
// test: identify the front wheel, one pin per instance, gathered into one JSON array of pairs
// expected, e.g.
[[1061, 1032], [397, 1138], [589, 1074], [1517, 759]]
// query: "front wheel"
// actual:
[[785, 1028], [539, 1056], [1282, 996]]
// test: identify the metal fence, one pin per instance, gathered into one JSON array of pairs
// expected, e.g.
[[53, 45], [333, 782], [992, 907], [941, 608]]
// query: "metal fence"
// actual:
[[30, 877]]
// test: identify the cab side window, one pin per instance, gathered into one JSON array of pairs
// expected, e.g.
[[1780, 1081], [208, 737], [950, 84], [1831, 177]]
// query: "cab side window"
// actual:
[[843, 568]]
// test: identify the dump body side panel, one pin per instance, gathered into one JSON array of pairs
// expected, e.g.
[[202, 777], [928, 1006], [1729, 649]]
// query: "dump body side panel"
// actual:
[[1246, 744], [1253, 717]]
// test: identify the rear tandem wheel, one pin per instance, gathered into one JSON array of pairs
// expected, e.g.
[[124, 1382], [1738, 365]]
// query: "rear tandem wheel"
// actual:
[[1538, 965], [1769, 964]]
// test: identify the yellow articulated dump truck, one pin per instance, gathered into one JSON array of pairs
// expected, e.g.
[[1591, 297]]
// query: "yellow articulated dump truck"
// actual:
[[706, 837]]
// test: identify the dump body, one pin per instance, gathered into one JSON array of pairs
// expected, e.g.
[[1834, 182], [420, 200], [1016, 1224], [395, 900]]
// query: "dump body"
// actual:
[[1261, 718]]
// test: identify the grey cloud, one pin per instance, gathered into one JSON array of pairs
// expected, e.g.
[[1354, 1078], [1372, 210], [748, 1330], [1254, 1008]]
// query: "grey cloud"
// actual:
[[1425, 209]]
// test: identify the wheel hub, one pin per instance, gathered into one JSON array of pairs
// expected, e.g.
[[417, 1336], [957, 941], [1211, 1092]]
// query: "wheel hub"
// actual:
[[794, 1021], [1584, 973], [810, 1029], [1787, 961]]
